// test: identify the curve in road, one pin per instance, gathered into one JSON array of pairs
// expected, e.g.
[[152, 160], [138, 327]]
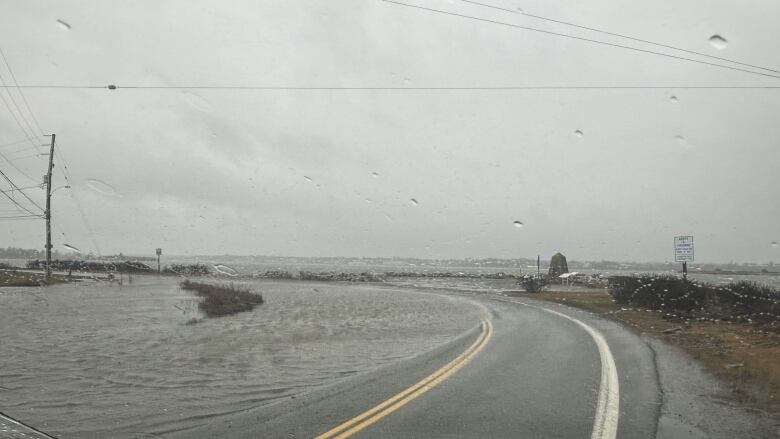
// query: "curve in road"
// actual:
[[536, 374], [363, 420]]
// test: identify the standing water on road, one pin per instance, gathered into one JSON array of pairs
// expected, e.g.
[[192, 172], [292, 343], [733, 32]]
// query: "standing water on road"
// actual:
[[98, 360]]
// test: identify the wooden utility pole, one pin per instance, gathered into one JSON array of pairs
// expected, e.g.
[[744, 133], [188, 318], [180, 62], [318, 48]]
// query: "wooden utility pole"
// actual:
[[48, 210]]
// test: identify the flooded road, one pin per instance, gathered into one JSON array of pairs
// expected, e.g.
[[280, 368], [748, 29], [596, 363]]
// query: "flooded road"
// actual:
[[98, 360]]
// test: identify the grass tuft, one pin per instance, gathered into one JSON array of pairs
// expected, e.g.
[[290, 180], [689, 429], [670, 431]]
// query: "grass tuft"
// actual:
[[222, 300]]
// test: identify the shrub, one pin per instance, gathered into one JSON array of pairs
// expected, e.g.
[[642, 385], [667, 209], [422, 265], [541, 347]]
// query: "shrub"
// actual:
[[188, 269], [740, 301], [534, 284], [222, 300]]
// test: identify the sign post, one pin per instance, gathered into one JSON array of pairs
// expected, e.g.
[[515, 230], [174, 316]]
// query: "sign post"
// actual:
[[683, 252], [159, 252]]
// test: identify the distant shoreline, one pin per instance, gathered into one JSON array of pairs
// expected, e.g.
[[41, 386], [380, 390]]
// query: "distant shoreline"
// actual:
[[737, 272]]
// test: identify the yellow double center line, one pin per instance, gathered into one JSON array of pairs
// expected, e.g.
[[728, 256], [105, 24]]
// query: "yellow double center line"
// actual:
[[363, 420]]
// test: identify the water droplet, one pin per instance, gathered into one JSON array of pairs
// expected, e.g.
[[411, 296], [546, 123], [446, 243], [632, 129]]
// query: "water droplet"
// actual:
[[674, 99], [224, 269], [71, 248], [307, 178], [63, 25], [518, 224], [375, 174], [718, 42], [774, 244], [101, 187], [413, 201], [579, 133]]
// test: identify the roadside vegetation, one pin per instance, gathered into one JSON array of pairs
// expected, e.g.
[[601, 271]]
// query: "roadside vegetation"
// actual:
[[534, 284], [77, 265], [187, 270], [17, 278], [222, 300], [685, 300], [732, 330]]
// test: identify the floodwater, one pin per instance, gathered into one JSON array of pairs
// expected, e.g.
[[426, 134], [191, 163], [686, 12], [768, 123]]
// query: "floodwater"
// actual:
[[95, 360]]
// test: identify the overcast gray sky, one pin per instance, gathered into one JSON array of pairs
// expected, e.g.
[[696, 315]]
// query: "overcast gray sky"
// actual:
[[326, 173]]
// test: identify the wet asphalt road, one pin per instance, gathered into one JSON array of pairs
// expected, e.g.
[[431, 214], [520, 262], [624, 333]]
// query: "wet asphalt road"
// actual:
[[537, 376]]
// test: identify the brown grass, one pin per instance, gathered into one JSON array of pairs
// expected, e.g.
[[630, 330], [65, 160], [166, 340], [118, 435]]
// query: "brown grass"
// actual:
[[14, 278], [743, 355], [223, 300]]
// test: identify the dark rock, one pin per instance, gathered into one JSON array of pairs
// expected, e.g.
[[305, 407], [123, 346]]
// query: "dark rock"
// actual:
[[558, 265]]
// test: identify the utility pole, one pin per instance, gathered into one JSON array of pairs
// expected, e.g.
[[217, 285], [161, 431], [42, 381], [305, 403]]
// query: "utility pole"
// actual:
[[48, 210], [159, 252]]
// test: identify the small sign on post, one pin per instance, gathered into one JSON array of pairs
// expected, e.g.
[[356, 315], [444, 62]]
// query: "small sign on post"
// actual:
[[683, 251]]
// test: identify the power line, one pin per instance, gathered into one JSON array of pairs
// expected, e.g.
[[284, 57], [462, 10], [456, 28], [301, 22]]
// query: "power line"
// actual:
[[12, 212], [21, 188], [19, 110], [13, 165], [27, 136], [23, 157], [22, 149], [615, 34], [574, 37], [5, 145], [410, 88], [24, 99], [66, 170], [16, 105], [54, 86], [17, 204], [13, 185], [60, 156], [20, 217], [513, 11]]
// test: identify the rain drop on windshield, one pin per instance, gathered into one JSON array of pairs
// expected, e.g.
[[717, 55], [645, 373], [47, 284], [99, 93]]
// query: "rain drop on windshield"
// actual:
[[718, 42]]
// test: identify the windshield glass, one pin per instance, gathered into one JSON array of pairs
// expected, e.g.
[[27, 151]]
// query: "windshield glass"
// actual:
[[262, 219]]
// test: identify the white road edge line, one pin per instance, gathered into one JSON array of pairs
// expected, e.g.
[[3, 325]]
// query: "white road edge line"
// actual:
[[608, 408]]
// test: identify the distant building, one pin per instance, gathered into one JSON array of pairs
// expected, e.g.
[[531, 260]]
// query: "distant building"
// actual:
[[558, 265]]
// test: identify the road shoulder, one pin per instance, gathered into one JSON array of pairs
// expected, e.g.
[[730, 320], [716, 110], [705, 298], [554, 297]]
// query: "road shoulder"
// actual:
[[710, 387]]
